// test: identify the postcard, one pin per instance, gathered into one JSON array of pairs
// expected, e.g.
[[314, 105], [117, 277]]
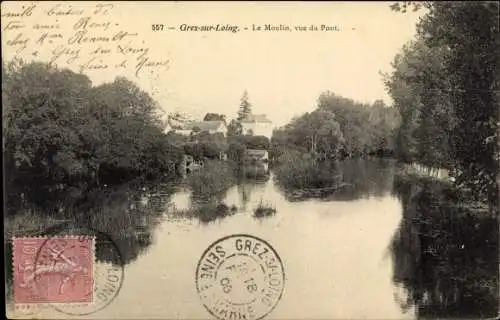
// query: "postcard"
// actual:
[[250, 160]]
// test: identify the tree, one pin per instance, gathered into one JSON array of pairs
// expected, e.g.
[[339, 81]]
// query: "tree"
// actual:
[[365, 128], [176, 139], [420, 93], [236, 148], [465, 34], [234, 128], [245, 107], [340, 126], [318, 132], [64, 133], [256, 142]]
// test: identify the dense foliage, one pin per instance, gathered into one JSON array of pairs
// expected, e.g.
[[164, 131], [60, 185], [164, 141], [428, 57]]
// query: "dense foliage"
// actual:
[[61, 132], [339, 127], [445, 86], [301, 171], [206, 145], [211, 182], [237, 145]]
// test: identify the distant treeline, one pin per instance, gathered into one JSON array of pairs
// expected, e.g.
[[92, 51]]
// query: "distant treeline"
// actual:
[[446, 100], [339, 128]]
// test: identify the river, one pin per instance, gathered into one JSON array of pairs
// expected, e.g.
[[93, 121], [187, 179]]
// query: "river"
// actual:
[[348, 255]]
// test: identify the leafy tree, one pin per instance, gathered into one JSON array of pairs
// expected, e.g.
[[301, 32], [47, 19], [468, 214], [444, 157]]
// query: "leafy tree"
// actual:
[[256, 142], [421, 96], [342, 124], [339, 127], [176, 139], [234, 128], [465, 36], [236, 148], [63, 133], [206, 145]]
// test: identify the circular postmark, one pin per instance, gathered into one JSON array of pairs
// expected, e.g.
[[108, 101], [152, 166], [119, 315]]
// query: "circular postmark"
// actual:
[[69, 278], [240, 277]]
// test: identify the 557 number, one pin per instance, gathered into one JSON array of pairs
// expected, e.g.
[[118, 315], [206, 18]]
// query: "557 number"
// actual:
[[157, 27]]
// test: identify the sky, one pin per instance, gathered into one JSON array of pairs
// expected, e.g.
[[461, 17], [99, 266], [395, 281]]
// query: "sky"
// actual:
[[197, 72]]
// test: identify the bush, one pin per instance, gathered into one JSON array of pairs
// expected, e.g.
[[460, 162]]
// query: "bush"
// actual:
[[211, 181], [206, 145], [303, 172], [237, 145], [256, 142], [236, 149]]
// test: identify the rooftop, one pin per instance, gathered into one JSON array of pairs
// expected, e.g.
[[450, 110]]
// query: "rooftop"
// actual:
[[207, 125], [257, 118], [203, 125]]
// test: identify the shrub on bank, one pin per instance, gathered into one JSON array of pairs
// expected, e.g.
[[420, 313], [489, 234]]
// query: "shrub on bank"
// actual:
[[214, 178], [303, 172]]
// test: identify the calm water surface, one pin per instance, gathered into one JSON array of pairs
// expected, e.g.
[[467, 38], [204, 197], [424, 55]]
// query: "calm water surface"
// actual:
[[338, 252]]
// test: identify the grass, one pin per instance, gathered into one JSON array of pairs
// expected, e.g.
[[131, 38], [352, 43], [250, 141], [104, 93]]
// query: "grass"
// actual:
[[28, 223], [264, 210], [207, 212]]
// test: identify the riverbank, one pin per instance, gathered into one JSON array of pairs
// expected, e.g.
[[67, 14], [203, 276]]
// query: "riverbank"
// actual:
[[129, 205], [445, 250], [413, 181], [119, 210]]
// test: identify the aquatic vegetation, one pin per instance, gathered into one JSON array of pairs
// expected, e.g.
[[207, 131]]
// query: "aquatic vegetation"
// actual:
[[264, 210], [207, 212], [215, 178]]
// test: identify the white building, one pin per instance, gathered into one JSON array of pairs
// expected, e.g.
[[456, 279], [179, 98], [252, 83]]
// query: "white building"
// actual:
[[257, 125]]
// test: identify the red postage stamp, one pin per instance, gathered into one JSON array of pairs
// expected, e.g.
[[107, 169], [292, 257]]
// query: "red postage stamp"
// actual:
[[53, 270]]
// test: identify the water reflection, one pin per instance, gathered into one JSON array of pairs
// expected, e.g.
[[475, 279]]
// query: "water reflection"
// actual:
[[445, 256], [257, 171], [247, 186], [205, 211], [127, 215], [341, 181]]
